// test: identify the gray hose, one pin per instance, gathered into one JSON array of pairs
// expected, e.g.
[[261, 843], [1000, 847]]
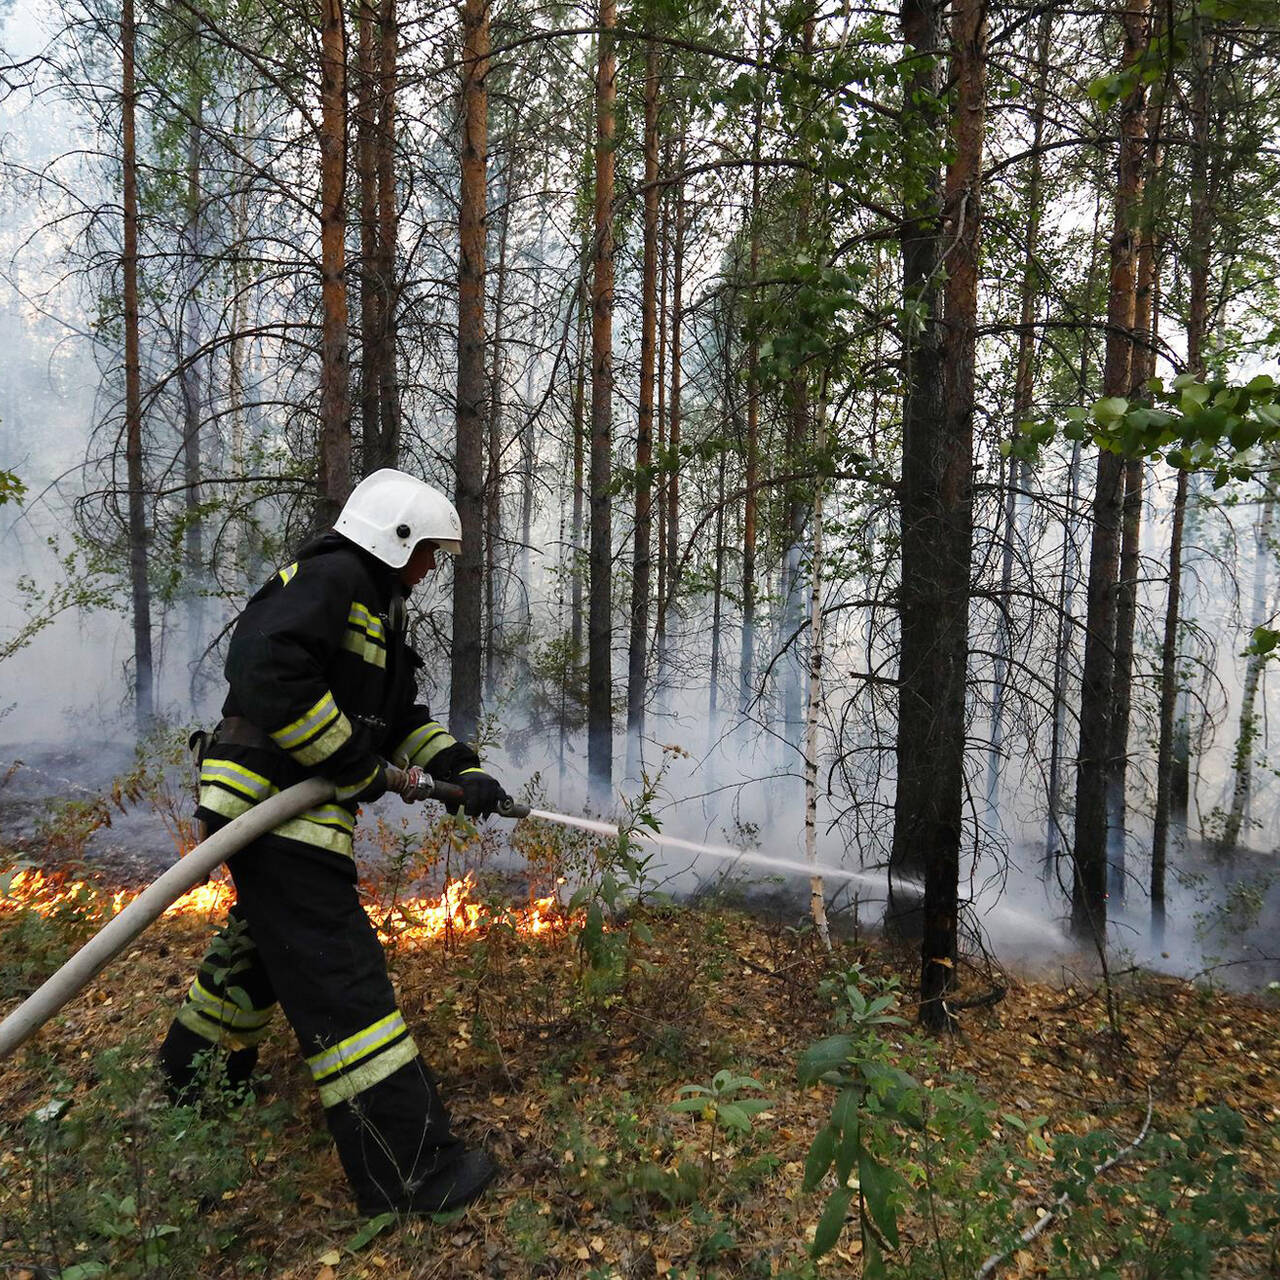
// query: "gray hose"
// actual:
[[151, 903]]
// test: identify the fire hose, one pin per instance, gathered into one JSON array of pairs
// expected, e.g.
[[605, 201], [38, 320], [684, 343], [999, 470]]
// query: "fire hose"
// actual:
[[188, 872]]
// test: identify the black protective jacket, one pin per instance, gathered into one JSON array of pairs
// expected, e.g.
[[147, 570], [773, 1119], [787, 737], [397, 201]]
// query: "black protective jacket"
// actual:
[[322, 681]]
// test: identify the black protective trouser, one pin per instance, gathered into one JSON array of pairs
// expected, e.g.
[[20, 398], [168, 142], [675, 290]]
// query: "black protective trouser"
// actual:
[[298, 935]]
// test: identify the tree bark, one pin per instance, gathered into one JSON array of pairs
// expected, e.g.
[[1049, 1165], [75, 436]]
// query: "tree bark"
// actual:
[[953, 497], [367, 195], [1023, 394], [599, 624], [334, 479], [464, 689], [140, 588], [671, 467], [493, 478], [642, 557], [192, 365], [1089, 882], [746, 669], [1142, 362], [1242, 757], [388, 454]]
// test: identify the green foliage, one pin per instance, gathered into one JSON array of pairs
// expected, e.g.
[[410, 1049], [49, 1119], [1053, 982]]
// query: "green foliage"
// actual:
[[126, 1183], [860, 1139], [721, 1105], [1213, 425], [12, 489], [1189, 1204]]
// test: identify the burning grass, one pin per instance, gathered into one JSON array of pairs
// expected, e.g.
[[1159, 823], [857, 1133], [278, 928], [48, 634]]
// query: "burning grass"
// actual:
[[568, 1068]]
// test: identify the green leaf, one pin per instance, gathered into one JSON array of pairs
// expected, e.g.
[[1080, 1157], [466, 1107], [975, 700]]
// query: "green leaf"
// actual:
[[690, 1104], [373, 1227], [821, 1154], [878, 1182], [83, 1271], [831, 1223], [827, 1056], [1109, 409], [732, 1114]]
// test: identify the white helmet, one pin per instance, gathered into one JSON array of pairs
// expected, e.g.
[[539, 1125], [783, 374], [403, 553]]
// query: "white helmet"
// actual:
[[389, 513]]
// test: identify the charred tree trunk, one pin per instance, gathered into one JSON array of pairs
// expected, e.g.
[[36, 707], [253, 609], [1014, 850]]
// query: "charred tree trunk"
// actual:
[[468, 568], [642, 557], [1089, 883], [140, 588], [920, 824], [334, 480], [599, 627], [579, 410]]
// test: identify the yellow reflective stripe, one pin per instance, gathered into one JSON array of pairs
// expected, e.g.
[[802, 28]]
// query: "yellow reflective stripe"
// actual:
[[323, 713], [363, 1044], [317, 834], [328, 827], [227, 1011], [286, 574], [237, 777], [345, 793], [218, 800], [424, 743], [473, 769], [367, 1074], [360, 618], [190, 1017], [326, 744], [362, 647]]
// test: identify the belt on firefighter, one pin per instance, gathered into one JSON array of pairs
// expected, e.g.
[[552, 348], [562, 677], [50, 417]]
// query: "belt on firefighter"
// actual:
[[236, 731]]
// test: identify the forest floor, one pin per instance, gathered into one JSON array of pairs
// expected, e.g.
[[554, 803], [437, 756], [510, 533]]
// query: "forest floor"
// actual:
[[564, 1056]]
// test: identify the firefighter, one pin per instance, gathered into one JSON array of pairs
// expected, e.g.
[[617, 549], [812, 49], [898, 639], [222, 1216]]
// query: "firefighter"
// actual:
[[322, 681]]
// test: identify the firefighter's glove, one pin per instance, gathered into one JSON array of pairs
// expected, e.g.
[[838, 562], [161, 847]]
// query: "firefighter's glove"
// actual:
[[362, 787], [414, 784], [481, 794]]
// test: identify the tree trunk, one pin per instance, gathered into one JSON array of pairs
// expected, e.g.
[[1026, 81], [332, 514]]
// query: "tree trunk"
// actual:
[[671, 469], [1089, 883], [1242, 757], [953, 496], [1173, 754], [143, 678], [579, 473], [599, 625], [464, 689], [664, 245], [637, 667], [1142, 358], [191, 380], [1023, 394], [334, 479], [367, 188], [813, 707], [746, 670], [388, 236], [493, 479]]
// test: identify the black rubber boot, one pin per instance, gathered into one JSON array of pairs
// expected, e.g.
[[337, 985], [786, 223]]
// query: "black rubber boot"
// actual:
[[187, 1061], [392, 1138], [456, 1186]]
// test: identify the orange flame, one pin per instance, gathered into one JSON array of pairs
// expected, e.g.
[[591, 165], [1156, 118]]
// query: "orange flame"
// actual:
[[410, 920]]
